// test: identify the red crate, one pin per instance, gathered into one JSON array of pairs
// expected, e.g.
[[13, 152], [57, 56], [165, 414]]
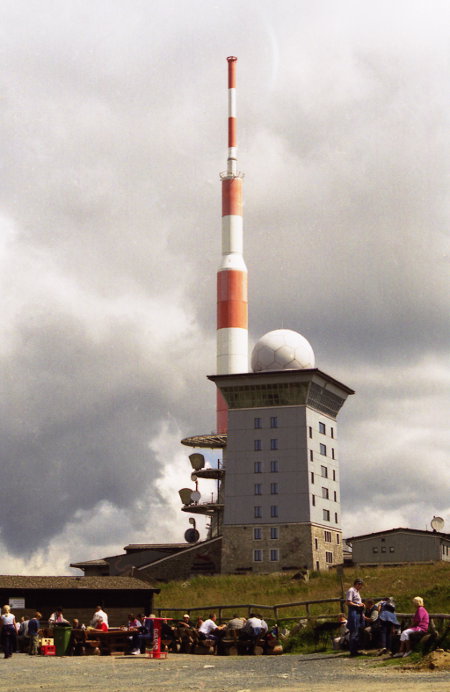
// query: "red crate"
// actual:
[[48, 650]]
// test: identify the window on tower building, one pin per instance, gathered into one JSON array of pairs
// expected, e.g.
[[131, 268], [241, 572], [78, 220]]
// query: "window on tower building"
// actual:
[[257, 533], [257, 555], [257, 423], [336, 518], [274, 488], [311, 455], [323, 450], [324, 472], [258, 488], [327, 536], [322, 428], [274, 511], [313, 500], [328, 558], [258, 512], [258, 467], [310, 431], [273, 444], [312, 477], [325, 493], [274, 466], [257, 446], [274, 555], [335, 496], [332, 453], [274, 532], [316, 544], [274, 422], [326, 514], [334, 475], [332, 432]]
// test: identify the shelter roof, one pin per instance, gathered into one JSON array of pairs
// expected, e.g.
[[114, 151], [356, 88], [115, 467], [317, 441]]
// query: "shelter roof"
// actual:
[[103, 583]]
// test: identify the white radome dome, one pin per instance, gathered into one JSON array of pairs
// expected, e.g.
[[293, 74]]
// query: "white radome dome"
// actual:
[[282, 349]]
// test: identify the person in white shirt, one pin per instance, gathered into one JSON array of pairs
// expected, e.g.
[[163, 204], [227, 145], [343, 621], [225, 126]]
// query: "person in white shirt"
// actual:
[[99, 613], [355, 615], [209, 630]]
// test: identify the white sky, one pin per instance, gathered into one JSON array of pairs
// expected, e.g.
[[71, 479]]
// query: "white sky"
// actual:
[[112, 135]]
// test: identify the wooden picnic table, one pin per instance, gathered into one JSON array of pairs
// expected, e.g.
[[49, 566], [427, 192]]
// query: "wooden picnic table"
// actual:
[[113, 641]]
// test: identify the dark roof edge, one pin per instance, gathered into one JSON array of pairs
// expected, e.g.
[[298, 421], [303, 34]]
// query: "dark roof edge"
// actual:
[[398, 530], [275, 373]]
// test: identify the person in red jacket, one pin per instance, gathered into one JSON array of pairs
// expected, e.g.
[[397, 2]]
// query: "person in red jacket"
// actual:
[[100, 625]]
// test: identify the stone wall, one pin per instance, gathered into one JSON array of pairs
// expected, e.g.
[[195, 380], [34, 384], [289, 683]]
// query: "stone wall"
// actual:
[[296, 545]]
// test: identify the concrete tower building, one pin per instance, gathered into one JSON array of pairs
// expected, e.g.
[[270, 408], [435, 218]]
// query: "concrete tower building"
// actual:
[[281, 494]]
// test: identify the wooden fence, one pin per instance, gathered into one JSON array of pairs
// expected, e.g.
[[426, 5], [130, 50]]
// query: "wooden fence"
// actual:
[[274, 611]]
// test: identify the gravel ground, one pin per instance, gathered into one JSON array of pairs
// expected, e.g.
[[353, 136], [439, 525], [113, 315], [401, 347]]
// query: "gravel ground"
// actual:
[[316, 672]]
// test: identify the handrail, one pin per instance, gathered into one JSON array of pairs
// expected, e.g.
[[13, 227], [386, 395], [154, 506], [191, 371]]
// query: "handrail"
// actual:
[[220, 608]]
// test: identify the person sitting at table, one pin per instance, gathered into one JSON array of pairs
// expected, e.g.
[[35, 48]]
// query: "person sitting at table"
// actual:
[[57, 618], [133, 622], [100, 625], [142, 636]]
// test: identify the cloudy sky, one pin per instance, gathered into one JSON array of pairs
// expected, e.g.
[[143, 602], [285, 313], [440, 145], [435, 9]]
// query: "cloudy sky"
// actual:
[[112, 135]]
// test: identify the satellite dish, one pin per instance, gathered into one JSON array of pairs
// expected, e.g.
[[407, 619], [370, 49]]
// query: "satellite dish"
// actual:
[[437, 523], [197, 461], [195, 496], [185, 495], [193, 477], [191, 535]]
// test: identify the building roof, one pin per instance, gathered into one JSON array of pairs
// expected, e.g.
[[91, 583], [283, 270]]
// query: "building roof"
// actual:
[[155, 546], [87, 563], [189, 548], [101, 583], [397, 530]]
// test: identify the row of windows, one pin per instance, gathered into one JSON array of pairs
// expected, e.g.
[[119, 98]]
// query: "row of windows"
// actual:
[[324, 473], [258, 533], [258, 555], [328, 537], [273, 489], [257, 444], [258, 466], [325, 491], [323, 453], [383, 549], [322, 430], [258, 511], [257, 447], [273, 422], [326, 514]]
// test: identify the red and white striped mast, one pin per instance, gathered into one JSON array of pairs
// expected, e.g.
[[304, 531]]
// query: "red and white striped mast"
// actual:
[[232, 302]]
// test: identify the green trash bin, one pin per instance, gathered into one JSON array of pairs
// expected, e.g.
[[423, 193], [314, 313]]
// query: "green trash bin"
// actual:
[[63, 635]]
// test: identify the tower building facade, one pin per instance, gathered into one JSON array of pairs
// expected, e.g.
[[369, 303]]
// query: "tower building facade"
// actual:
[[281, 462]]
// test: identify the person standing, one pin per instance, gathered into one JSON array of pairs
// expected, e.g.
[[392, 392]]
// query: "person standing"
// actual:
[[355, 615], [33, 629], [8, 631], [99, 613]]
